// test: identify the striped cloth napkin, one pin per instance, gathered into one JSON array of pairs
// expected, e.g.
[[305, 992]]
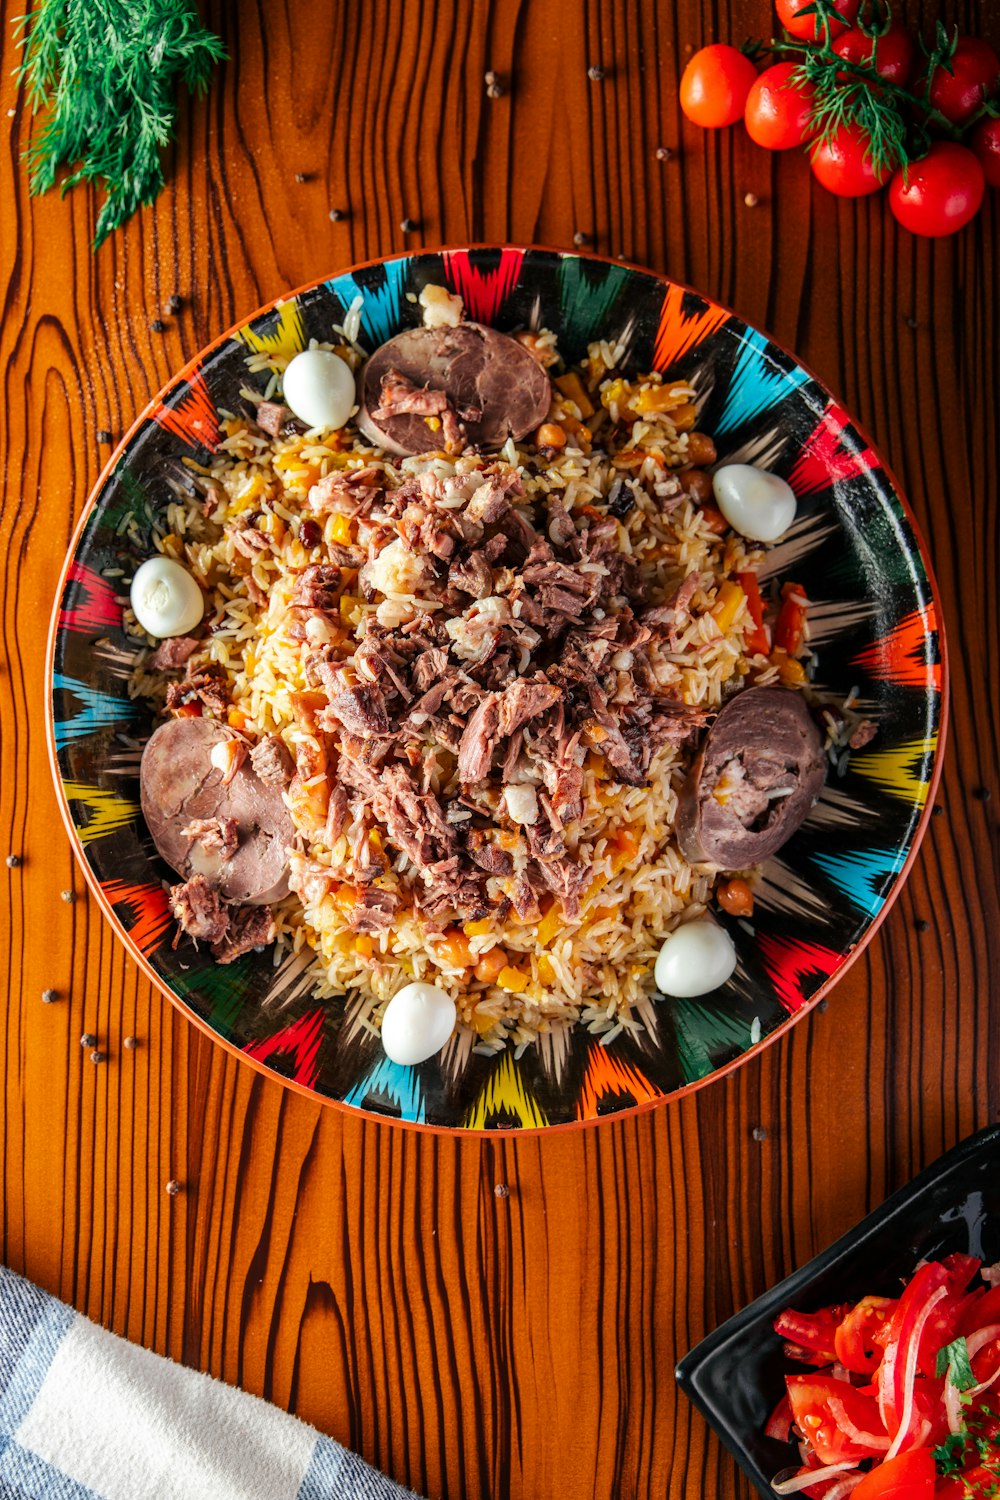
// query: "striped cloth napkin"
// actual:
[[86, 1416]]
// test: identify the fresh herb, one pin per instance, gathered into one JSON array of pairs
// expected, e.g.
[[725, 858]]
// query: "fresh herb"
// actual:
[[953, 1363], [106, 72]]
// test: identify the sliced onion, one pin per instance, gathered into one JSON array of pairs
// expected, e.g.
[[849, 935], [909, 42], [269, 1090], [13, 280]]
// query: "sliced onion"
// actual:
[[838, 1411], [982, 1336], [800, 1479], [910, 1373], [847, 1484], [953, 1407]]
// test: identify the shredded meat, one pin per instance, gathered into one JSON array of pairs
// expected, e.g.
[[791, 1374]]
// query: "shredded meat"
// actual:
[[272, 417], [200, 911], [215, 835], [172, 653], [249, 927], [208, 685], [272, 761], [374, 910], [476, 750], [399, 395]]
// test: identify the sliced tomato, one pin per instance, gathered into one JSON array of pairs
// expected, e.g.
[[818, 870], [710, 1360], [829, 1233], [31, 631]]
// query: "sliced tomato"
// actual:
[[979, 1310], [911, 1476], [756, 643], [856, 1341], [908, 1323], [822, 1406], [812, 1333]]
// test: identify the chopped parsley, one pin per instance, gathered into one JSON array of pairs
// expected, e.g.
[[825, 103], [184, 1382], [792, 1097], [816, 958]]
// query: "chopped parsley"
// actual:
[[953, 1362]]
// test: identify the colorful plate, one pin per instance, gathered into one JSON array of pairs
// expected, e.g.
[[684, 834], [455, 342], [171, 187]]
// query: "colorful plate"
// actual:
[[875, 621]]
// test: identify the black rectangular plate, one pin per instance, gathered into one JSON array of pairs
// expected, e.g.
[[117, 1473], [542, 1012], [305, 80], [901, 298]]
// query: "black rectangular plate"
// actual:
[[735, 1375]]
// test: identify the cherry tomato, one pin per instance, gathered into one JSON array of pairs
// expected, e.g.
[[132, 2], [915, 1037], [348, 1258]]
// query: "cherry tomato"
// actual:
[[941, 193], [975, 67], [843, 166], [715, 85], [777, 112], [911, 1476], [810, 1397], [986, 145], [893, 54], [806, 26]]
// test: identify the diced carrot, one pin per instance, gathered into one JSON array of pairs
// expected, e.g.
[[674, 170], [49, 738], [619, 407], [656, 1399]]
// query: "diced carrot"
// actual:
[[350, 609], [340, 530], [550, 926], [791, 672], [478, 929], [546, 970], [508, 838], [627, 847], [491, 965], [364, 945], [596, 763], [237, 719], [668, 397], [727, 605], [601, 912], [514, 980], [755, 642], [482, 1021], [572, 386], [453, 946]]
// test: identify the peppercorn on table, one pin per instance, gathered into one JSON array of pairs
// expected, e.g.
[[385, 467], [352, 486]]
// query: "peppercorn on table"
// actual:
[[477, 1316]]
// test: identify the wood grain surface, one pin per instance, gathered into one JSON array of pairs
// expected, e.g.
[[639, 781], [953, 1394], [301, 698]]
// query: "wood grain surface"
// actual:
[[477, 1343]]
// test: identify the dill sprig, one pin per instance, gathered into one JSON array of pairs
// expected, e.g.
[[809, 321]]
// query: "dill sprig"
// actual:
[[893, 122], [106, 73]]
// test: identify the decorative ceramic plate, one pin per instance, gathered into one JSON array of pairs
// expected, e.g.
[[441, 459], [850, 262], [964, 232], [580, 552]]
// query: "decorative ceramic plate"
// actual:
[[874, 623]]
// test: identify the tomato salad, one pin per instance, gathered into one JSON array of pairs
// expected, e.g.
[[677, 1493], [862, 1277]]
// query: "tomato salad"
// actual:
[[903, 1400]]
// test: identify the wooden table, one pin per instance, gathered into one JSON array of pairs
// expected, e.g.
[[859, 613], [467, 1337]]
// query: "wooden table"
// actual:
[[366, 1277]]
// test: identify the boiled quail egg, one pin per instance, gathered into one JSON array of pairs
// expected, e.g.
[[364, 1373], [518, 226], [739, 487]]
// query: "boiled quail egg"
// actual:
[[697, 957], [756, 503], [165, 598], [417, 1022], [319, 388]]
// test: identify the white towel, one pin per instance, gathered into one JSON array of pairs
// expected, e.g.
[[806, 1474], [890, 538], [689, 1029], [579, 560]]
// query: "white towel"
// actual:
[[84, 1415]]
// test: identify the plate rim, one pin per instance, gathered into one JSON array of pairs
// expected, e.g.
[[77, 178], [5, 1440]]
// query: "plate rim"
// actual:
[[358, 1111]]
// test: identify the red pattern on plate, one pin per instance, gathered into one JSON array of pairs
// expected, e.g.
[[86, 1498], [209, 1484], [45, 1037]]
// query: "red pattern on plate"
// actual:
[[826, 457], [483, 292], [789, 961], [300, 1041], [94, 606]]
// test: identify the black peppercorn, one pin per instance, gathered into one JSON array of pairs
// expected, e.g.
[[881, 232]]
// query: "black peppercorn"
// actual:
[[88, 1039], [408, 226], [129, 1043], [172, 304], [157, 326], [595, 73], [13, 860], [104, 436], [98, 1057], [48, 996], [173, 1187]]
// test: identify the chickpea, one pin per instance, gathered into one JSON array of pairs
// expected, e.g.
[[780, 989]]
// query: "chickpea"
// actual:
[[550, 435], [697, 485], [700, 449], [490, 964], [736, 897]]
